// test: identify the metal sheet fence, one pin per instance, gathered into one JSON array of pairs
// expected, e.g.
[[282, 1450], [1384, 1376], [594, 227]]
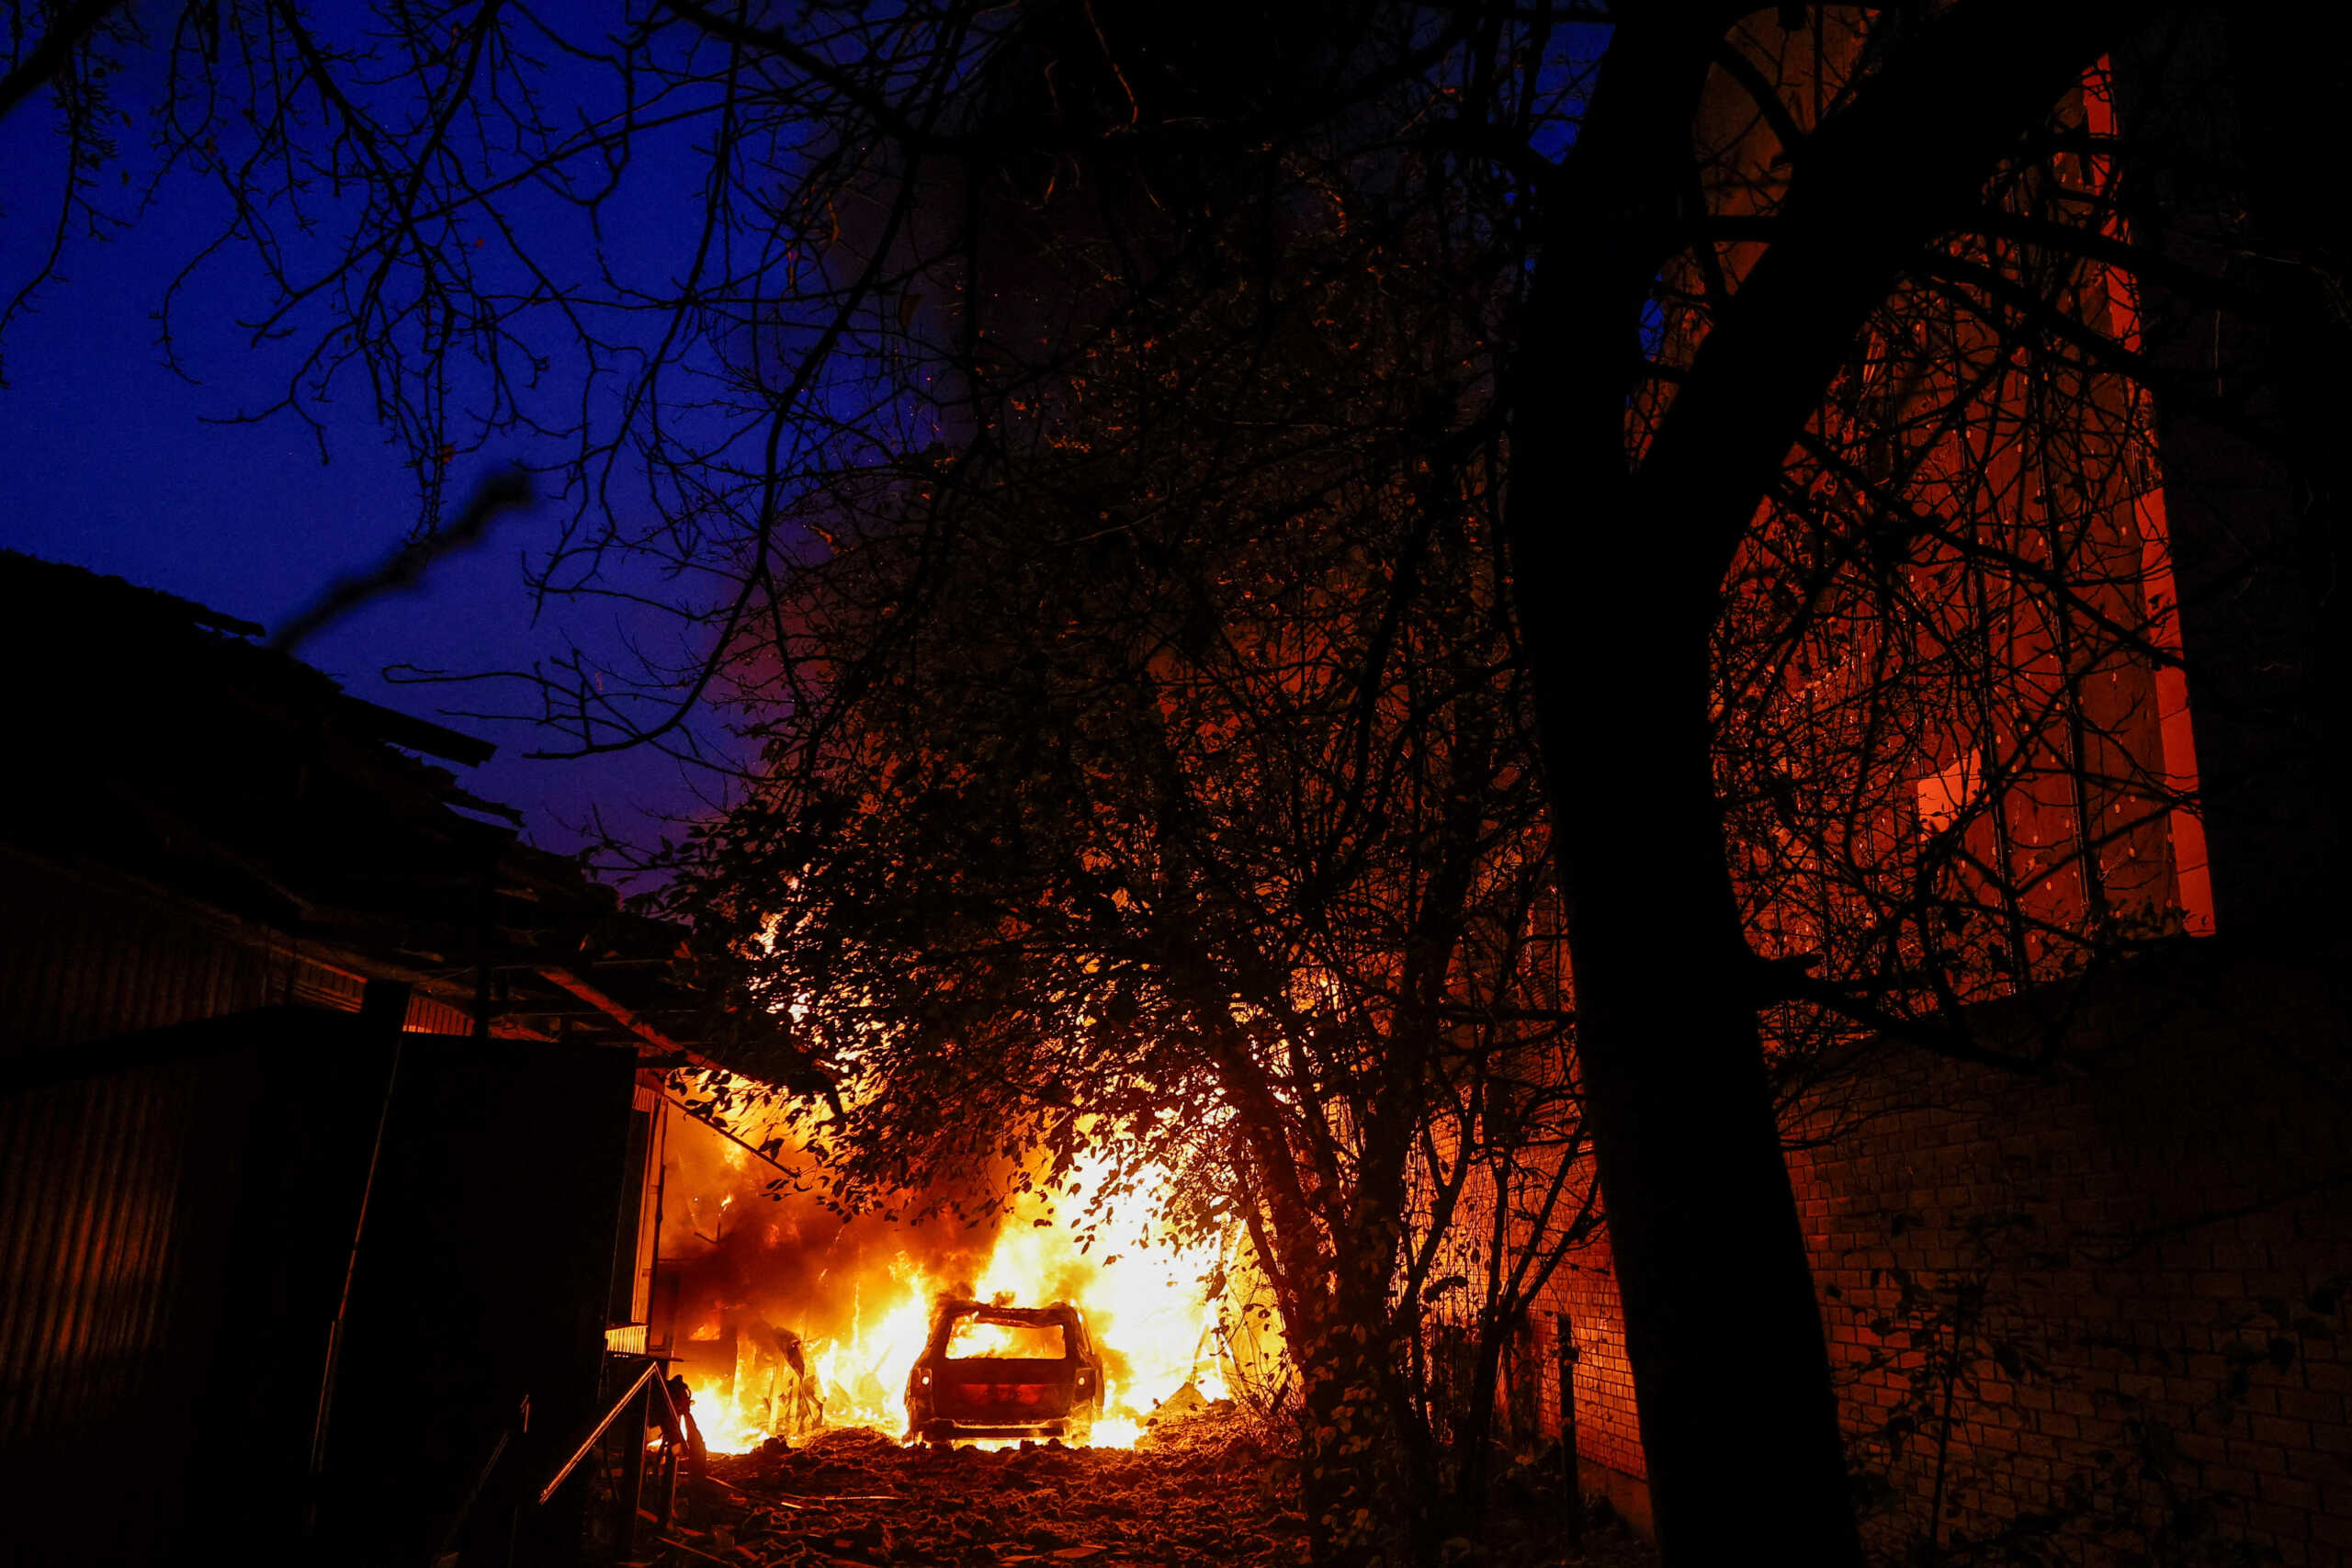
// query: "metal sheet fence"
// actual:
[[174, 1208], [91, 1175]]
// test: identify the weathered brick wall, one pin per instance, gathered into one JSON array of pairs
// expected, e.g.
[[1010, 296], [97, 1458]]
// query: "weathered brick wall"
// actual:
[[2128, 1275], [2119, 1288], [1583, 1294], [1582, 1300]]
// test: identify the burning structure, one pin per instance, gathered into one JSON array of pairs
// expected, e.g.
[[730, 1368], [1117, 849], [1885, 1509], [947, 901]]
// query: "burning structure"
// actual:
[[343, 1176], [787, 1316]]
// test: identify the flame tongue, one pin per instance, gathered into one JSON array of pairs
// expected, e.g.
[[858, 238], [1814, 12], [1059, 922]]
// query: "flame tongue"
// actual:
[[1143, 1302]]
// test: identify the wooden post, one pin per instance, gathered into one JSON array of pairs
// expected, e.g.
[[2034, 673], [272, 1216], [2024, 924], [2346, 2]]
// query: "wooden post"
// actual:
[[383, 1013], [1566, 1341], [631, 1497], [663, 1407]]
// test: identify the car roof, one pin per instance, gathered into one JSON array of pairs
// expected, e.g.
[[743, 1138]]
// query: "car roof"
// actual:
[[988, 1312]]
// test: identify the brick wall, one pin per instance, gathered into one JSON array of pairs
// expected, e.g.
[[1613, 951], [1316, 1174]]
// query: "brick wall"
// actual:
[[2119, 1287], [1583, 1294], [1582, 1300]]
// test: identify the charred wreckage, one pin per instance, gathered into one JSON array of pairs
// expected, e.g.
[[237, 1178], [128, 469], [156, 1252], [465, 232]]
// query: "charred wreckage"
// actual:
[[988, 1369]]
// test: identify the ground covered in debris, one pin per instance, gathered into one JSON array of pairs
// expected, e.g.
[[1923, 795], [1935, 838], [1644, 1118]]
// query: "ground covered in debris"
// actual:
[[1210, 1489]]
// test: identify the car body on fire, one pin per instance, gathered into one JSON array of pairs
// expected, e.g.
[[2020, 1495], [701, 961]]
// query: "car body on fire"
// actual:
[[993, 1370]]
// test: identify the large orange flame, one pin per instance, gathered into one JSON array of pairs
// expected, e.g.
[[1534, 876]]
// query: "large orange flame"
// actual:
[[1147, 1304]]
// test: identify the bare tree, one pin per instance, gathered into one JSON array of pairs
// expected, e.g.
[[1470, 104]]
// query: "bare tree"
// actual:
[[1893, 633], [1163, 790]]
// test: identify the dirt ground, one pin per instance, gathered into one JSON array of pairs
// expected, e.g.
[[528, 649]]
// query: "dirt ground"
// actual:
[[1205, 1491]]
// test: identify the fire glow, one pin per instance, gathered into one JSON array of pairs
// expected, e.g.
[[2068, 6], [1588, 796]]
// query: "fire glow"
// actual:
[[784, 1329]]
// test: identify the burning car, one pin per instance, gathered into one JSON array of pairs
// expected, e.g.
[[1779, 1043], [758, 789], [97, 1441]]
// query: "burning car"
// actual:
[[993, 1370]]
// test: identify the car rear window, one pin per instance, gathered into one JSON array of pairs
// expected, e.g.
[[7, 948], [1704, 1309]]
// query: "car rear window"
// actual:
[[976, 1333]]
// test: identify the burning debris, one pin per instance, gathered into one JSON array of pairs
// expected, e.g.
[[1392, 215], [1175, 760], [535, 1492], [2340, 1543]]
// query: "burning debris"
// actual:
[[790, 1319], [1213, 1485], [858, 1497]]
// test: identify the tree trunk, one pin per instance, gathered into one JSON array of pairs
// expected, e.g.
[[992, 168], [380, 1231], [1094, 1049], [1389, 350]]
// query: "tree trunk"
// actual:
[[1364, 1500], [1738, 1423], [1617, 575]]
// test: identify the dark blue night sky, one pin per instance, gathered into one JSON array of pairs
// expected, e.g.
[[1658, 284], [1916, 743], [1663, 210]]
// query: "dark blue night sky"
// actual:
[[111, 464]]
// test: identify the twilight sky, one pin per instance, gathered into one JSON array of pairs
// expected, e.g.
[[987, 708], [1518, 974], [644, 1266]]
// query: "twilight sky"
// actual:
[[111, 464], [117, 463]]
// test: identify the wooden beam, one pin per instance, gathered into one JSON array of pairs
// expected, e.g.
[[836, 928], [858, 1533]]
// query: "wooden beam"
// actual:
[[621, 1015]]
